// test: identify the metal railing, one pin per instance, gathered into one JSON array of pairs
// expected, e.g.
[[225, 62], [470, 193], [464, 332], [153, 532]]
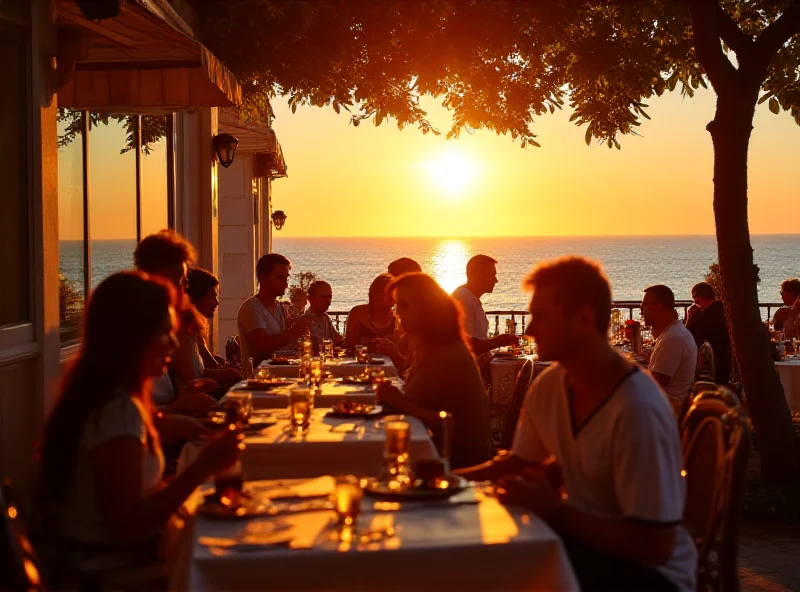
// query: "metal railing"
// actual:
[[501, 320]]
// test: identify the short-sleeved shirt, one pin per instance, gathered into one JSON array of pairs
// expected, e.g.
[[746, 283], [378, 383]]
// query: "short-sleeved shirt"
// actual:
[[675, 355], [163, 390], [254, 315], [476, 324], [321, 327], [625, 461], [78, 518]]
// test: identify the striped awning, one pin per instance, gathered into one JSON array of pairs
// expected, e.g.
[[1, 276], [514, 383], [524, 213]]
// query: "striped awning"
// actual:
[[143, 60]]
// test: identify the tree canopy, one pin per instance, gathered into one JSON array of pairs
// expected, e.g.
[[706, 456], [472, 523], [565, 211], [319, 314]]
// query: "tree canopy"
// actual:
[[495, 64]]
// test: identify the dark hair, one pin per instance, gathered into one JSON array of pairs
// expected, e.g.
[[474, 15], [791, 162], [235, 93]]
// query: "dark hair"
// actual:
[[380, 284], [163, 249], [791, 285], [123, 315], [200, 283], [316, 284], [704, 290], [479, 262], [403, 265], [267, 262], [440, 315], [662, 294], [578, 282]]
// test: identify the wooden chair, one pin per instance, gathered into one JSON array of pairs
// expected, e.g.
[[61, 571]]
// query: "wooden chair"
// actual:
[[716, 444], [523, 381], [706, 364], [19, 565]]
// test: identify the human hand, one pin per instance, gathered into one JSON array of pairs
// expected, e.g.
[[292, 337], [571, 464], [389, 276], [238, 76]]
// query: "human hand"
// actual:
[[192, 401], [535, 493], [220, 452], [390, 394], [206, 385]]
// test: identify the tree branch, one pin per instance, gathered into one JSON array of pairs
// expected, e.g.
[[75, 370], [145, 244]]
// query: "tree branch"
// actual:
[[707, 45], [739, 41], [777, 34]]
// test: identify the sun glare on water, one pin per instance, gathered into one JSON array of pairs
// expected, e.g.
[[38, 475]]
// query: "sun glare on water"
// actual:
[[450, 263], [452, 172]]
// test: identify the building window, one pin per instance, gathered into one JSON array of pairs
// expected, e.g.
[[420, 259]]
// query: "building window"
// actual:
[[115, 167], [15, 306]]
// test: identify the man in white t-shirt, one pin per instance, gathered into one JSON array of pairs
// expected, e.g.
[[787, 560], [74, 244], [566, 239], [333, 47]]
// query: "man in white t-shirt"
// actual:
[[674, 359], [263, 327], [481, 279], [596, 453], [320, 295]]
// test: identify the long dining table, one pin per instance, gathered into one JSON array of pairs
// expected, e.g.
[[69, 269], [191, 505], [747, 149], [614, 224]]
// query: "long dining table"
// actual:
[[338, 367], [467, 542]]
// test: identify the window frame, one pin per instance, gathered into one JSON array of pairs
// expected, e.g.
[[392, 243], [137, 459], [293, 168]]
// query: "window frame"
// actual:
[[87, 193]]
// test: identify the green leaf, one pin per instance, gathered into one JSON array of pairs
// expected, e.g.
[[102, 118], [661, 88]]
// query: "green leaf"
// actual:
[[774, 106]]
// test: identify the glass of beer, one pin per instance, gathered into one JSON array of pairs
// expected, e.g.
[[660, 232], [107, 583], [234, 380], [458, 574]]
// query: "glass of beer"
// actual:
[[396, 448], [316, 372], [244, 400], [327, 348], [362, 354], [347, 499], [301, 404], [377, 377]]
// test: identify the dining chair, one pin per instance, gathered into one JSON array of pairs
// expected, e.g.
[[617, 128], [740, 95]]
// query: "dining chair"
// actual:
[[716, 445], [706, 363], [523, 381], [20, 568]]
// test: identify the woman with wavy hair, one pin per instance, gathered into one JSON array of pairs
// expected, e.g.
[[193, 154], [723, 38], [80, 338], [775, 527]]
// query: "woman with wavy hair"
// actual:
[[444, 375], [102, 461]]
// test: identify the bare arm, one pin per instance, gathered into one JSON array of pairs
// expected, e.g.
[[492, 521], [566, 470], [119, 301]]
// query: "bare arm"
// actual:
[[130, 516], [183, 358], [499, 466], [266, 343], [352, 334]]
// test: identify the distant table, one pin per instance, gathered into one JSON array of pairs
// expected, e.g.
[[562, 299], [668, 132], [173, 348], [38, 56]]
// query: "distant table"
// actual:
[[478, 545], [789, 371], [331, 446], [337, 367], [331, 393]]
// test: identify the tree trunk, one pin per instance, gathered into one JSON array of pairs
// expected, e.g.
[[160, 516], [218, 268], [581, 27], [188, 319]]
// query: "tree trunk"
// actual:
[[730, 133]]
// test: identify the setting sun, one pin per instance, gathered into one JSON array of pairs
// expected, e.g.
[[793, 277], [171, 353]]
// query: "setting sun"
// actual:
[[452, 172]]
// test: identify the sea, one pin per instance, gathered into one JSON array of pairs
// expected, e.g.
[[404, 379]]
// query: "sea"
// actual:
[[350, 264]]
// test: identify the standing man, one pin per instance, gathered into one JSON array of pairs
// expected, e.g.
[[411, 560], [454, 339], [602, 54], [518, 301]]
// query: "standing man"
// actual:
[[320, 295], [674, 359], [403, 265], [481, 279], [263, 326], [785, 317], [596, 453], [705, 320]]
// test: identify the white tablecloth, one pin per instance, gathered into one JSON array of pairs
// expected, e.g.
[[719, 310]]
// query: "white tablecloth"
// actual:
[[332, 393], [339, 368], [789, 371], [330, 447], [444, 546]]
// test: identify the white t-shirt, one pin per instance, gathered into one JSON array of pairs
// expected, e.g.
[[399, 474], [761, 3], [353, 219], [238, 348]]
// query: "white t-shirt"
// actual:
[[476, 324], [675, 355], [624, 462], [79, 517], [254, 315]]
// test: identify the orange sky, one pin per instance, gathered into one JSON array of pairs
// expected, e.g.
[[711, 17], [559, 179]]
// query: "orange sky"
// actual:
[[368, 181]]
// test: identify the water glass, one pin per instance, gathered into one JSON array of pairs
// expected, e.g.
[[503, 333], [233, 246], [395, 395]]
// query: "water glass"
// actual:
[[362, 354], [396, 448], [347, 497], [326, 345], [305, 368], [244, 401], [301, 404], [316, 372]]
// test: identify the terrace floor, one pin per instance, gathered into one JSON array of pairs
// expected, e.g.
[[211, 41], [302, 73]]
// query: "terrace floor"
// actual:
[[769, 557]]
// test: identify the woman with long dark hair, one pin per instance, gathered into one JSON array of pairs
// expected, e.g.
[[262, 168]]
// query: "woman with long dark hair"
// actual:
[[102, 464], [444, 375], [373, 320]]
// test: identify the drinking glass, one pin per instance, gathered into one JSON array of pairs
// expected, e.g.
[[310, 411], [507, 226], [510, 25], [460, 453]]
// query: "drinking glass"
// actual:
[[244, 400], [262, 374], [316, 372], [305, 368], [347, 497], [377, 377], [301, 404], [362, 354], [395, 452], [327, 348]]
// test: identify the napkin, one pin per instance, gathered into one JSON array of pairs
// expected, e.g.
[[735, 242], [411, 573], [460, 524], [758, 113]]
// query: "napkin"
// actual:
[[319, 487]]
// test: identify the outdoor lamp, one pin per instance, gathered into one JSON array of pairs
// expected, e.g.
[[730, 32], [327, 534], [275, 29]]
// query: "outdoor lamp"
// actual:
[[224, 146], [278, 219]]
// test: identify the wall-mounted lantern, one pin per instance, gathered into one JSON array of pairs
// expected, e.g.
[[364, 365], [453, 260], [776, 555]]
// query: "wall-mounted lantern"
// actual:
[[278, 219], [224, 146]]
